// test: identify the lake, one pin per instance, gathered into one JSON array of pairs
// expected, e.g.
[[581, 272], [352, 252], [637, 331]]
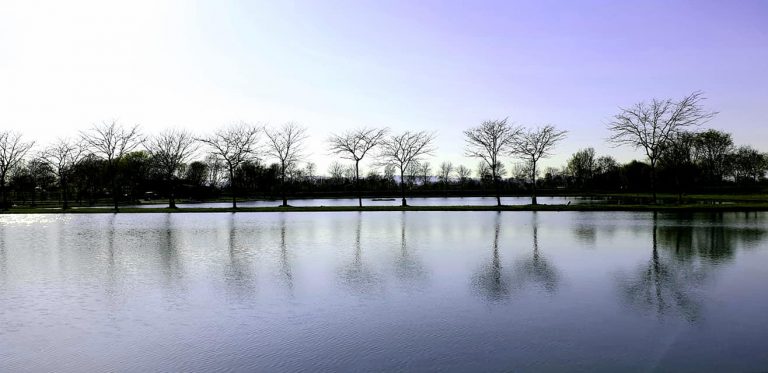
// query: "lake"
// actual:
[[395, 201], [383, 291]]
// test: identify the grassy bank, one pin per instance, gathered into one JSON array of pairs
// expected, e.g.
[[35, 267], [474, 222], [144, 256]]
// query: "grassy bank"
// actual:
[[735, 207]]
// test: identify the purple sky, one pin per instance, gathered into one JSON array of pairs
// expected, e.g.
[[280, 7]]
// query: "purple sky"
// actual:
[[332, 65]]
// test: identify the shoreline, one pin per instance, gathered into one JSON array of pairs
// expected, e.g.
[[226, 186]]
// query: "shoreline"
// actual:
[[735, 207]]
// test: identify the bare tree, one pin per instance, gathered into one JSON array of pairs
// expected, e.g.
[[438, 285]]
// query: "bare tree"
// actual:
[[63, 156], [446, 169], [215, 168], [286, 144], [310, 171], [489, 141], [234, 145], [444, 175], [482, 170], [354, 145], [412, 173], [336, 171], [533, 144], [404, 149], [111, 141], [349, 172], [389, 173], [12, 152], [463, 173], [521, 171], [425, 171], [171, 149], [650, 125]]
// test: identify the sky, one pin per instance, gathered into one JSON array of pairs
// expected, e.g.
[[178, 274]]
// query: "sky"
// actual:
[[440, 66]]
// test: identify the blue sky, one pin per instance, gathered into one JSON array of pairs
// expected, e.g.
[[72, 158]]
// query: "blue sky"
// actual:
[[424, 65]]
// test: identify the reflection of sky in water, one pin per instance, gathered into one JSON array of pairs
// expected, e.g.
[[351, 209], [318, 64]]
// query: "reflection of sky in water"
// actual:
[[383, 290], [32, 219]]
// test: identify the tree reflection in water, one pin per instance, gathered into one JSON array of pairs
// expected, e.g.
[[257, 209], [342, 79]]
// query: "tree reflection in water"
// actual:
[[496, 283], [168, 251], [536, 270], [407, 266], [356, 275], [286, 270], [239, 274], [684, 257], [3, 254], [491, 281]]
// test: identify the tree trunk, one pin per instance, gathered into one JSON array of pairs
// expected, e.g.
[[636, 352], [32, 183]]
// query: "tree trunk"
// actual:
[[282, 186], [171, 194], [533, 186], [232, 187], [114, 190], [64, 196], [357, 183], [402, 187], [653, 179], [4, 192], [496, 185]]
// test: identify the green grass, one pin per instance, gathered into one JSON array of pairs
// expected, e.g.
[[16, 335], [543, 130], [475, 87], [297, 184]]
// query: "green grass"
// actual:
[[585, 207]]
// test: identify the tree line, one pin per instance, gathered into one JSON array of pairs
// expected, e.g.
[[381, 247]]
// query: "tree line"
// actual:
[[118, 163]]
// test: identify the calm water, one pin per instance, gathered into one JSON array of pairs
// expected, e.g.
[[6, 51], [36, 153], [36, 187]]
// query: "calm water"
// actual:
[[428, 201], [416, 291]]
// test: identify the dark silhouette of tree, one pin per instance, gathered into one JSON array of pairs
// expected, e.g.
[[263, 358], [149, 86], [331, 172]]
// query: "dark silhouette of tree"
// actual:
[[354, 145], [489, 141], [650, 125], [712, 152], [533, 144], [582, 166], [402, 150], [29, 178], [88, 178], [111, 141], [196, 174], [636, 176], [676, 155], [286, 143], [13, 149], [748, 164], [136, 174], [170, 151], [234, 145], [63, 156]]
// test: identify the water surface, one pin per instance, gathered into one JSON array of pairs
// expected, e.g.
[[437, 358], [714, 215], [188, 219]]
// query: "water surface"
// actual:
[[416, 201], [350, 291]]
